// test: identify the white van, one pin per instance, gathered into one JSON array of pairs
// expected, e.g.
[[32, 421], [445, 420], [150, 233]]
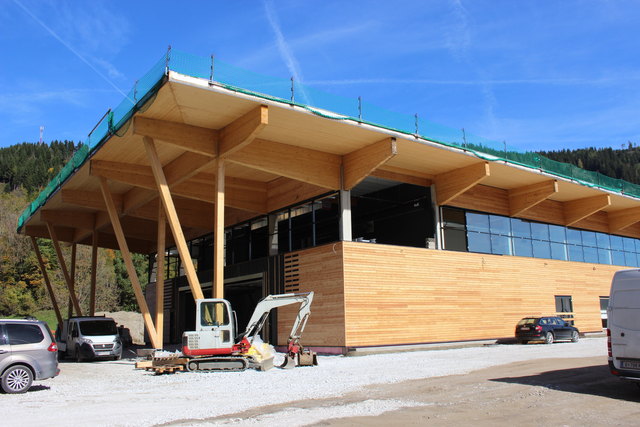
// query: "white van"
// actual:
[[88, 338], [623, 332]]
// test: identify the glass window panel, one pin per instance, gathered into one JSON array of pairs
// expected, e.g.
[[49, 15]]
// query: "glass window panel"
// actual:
[[455, 240], [540, 231], [520, 228], [616, 243], [557, 234], [477, 222], [479, 242], [500, 245], [604, 256], [575, 253], [590, 254], [588, 238], [541, 249], [453, 218], [603, 241], [617, 258], [500, 225], [574, 237], [630, 259], [522, 247], [628, 244], [558, 251]]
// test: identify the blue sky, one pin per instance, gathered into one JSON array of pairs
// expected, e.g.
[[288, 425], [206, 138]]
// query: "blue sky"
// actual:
[[539, 75]]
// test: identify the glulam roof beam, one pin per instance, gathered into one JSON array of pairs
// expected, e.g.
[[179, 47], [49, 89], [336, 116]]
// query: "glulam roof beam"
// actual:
[[406, 176], [242, 131], [619, 220], [299, 163], [579, 209], [451, 184], [85, 220], [524, 198], [191, 138], [243, 193], [359, 164]]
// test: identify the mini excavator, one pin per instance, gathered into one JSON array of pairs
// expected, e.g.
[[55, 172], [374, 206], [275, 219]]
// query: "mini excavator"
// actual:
[[214, 345]]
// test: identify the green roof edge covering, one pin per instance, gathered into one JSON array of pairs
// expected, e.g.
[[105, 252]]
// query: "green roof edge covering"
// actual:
[[242, 81]]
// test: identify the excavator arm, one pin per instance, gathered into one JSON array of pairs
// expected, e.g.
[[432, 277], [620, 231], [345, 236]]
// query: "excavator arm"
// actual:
[[296, 353], [264, 307]]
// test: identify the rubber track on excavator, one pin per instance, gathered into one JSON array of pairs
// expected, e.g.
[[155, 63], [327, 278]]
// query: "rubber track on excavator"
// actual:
[[218, 364]]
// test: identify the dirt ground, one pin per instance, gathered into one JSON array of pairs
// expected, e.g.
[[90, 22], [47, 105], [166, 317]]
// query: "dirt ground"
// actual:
[[545, 392]]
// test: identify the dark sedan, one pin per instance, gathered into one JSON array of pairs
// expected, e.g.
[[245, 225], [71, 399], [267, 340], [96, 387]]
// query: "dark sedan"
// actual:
[[547, 329]]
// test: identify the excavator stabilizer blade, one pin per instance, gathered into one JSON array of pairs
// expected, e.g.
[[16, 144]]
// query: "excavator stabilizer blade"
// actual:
[[307, 359]]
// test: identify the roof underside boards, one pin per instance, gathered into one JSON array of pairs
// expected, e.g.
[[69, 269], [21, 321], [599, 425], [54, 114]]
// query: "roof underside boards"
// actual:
[[290, 155]]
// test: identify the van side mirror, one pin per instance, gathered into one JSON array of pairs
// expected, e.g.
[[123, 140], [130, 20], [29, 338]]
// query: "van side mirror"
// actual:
[[74, 334]]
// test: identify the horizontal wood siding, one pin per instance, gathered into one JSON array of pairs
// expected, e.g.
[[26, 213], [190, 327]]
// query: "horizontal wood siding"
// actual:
[[401, 295], [319, 270]]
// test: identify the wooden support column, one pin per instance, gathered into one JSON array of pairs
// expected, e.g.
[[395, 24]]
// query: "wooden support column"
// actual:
[[162, 224], [218, 233], [126, 256], [94, 273], [45, 276], [63, 267], [172, 216], [72, 272]]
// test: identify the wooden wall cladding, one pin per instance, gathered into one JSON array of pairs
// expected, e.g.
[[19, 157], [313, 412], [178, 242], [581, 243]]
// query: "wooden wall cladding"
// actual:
[[401, 295], [320, 270], [496, 201]]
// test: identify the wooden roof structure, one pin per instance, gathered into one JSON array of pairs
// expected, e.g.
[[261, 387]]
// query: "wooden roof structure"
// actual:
[[200, 156]]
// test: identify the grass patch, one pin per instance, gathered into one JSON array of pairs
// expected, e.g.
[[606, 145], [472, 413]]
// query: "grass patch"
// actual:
[[48, 316]]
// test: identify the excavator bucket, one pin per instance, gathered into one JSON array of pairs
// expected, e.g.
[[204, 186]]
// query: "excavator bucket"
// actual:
[[304, 358], [289, 362]]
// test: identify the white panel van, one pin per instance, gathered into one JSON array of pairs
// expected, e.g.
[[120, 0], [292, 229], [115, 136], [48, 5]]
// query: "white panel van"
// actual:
[[623, 332]]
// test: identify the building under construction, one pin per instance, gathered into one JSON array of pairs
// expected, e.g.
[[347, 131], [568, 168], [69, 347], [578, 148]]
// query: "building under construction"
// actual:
[[247, 186]]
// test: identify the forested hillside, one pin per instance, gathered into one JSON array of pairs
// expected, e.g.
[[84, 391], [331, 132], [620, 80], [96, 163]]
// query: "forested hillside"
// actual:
[[623, 163], [31, 166], [24, 170]]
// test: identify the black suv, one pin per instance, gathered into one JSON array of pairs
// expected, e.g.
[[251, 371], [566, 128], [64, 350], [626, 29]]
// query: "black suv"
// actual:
[[547, 329]]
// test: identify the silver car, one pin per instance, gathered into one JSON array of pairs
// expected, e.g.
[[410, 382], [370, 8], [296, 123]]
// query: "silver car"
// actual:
[[28, 352]]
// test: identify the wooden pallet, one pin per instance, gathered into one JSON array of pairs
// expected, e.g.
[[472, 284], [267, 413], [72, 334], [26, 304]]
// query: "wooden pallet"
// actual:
[[165, 369]]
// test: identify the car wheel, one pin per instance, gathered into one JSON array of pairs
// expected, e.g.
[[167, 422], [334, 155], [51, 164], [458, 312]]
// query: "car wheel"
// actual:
[[524, 342], [574, 336], [548, 339], [62, 355], [17, 379]]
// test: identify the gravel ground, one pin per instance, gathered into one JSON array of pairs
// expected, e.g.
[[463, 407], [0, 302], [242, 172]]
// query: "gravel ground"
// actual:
[[114, 393]]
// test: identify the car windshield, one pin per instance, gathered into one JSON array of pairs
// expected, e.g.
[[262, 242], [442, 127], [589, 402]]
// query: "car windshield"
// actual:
[[98, 327], [527, 321]]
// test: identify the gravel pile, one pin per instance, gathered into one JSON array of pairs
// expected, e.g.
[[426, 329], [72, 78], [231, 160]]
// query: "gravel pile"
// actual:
[[114, 393]]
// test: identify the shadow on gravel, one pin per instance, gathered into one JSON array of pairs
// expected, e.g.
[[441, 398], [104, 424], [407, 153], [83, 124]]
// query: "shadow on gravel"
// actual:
[[593, 380], [38, 387]]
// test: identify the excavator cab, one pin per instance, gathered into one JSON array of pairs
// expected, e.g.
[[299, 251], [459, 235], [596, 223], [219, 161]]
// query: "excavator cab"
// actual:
[[215, 330]]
